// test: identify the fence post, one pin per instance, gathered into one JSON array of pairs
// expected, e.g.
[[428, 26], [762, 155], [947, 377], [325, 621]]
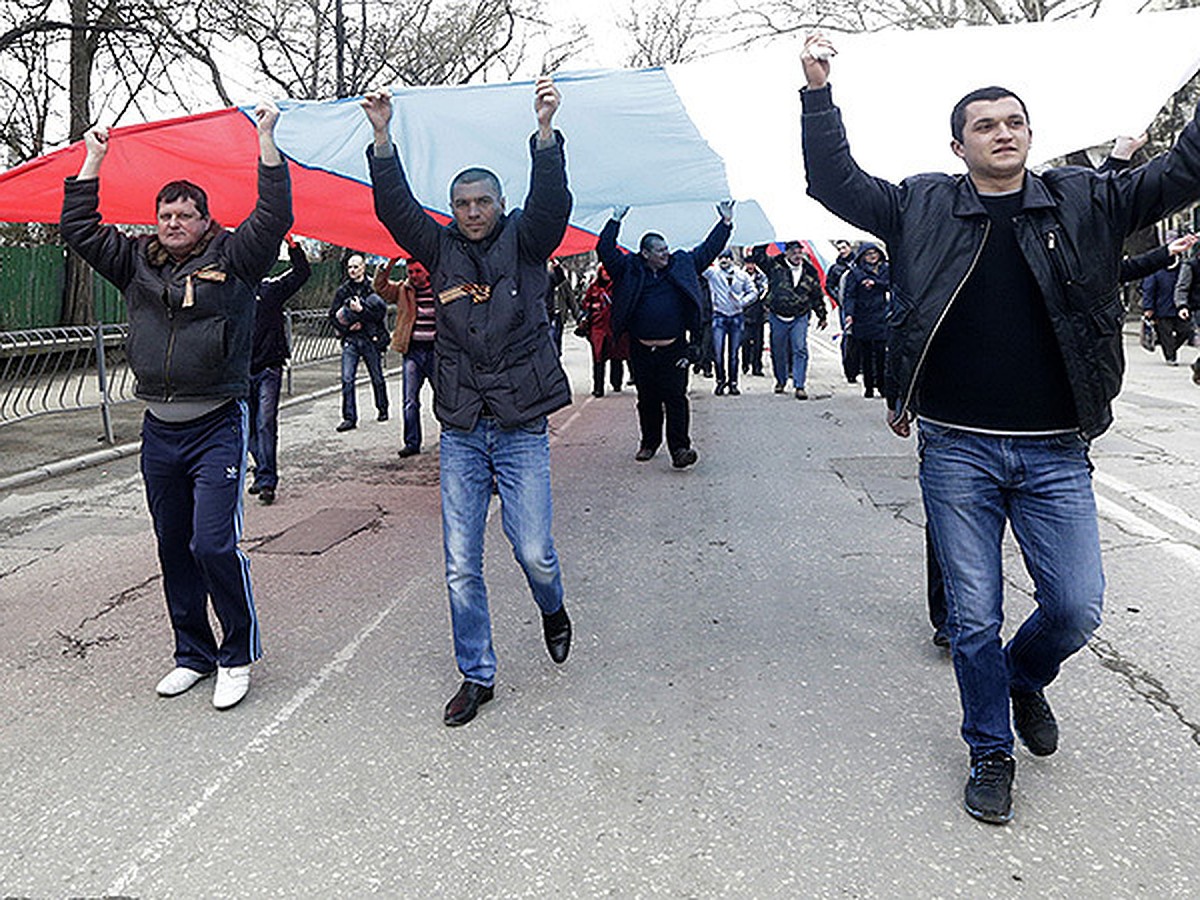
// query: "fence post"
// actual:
[[102, 375], [287, 363]]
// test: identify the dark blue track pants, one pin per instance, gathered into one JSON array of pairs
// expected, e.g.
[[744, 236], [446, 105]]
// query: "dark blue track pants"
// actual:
[[194, 473]]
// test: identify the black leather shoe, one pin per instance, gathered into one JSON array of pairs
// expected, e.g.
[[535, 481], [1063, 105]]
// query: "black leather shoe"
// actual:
[[346, 425], [681, 459], [406, 452], [557, 629], [462, 706], [266, 496], [382, 417], [644, 454]]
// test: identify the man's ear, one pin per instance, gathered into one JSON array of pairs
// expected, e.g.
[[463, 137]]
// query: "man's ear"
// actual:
[[957, 148], [501, 206]]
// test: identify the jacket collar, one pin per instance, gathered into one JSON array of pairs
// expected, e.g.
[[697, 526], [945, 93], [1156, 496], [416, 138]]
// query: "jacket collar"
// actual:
[[967, 203]]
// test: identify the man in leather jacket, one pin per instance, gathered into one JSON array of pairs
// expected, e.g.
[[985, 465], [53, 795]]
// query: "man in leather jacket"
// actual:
[[189, 292], [1005, 342], [498, 375]]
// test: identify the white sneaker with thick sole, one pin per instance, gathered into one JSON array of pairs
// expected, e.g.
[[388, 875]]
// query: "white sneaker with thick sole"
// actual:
[[232, 685], [178, 680]]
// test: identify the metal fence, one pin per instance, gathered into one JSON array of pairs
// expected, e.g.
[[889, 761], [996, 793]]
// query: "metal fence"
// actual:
[[49, 370]]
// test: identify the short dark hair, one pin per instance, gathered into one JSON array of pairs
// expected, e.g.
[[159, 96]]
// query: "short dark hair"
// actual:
[[183, 190], [647, 238], [790, 244], [474, 175], [958, 116]]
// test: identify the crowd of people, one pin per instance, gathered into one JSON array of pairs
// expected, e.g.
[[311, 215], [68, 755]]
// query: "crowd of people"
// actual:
[[988, 315]]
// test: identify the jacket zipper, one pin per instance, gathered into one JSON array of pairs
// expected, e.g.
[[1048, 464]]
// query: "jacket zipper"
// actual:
[[912, 384], [170, 346]]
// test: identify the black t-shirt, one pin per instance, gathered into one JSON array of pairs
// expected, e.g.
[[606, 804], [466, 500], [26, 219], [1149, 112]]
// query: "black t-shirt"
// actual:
[[659, 313], [994, 363]]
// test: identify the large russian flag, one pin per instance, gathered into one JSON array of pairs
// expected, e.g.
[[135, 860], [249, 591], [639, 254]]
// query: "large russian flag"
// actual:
[[668, 142]]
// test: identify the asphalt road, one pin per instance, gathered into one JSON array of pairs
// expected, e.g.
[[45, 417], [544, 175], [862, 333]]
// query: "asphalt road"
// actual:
[[752, 707]]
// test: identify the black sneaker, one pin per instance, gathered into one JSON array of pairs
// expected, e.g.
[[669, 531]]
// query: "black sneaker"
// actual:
[[266, 496], [988, 794], [1035, 723], [681, 459]]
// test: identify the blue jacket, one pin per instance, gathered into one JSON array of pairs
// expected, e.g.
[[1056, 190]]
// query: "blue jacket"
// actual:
[[628, 273], [1158, 293], [867, 307], [498, 353]]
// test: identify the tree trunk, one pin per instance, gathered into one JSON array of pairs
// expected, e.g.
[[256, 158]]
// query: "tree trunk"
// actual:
[[78, 302]]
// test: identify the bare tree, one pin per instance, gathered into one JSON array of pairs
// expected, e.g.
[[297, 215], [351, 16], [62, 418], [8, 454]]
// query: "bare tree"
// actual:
[[666, 31]]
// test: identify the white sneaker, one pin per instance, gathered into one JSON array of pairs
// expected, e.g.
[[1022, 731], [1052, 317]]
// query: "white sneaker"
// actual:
[[232, 686], [178, 680]]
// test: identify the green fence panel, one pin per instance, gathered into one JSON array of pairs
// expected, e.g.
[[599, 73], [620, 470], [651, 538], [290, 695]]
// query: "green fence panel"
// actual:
[[30, 287]]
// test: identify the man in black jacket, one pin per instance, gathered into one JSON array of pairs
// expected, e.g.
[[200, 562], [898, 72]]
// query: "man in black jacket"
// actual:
[[189, 293], [359, 318], [269, 353], [1005, 340], [658, 301], [498, 375], [794, 293]]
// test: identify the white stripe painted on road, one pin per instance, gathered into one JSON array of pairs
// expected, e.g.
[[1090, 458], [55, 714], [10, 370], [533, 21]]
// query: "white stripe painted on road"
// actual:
[[1167, 510], [1135, 524], [152, 851]]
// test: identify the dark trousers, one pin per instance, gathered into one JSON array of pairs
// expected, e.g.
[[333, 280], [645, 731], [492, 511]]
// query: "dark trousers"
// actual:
[[752, 348], [1173, 333], [851, 357], [935, 586], [662, 392], [616, 375], [873, 355], [194, 472]]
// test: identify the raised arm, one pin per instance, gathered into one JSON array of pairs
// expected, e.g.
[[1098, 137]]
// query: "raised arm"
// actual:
[[256, 241], [395, 206], [107, 250], [718, 237], [606, 245], [547, 207], [834, 178]]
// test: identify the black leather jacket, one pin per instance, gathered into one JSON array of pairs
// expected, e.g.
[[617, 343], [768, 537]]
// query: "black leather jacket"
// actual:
[[1070, 231]]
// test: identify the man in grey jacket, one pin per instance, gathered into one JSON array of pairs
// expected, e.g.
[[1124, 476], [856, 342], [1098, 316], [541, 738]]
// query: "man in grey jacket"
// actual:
[[189, 293], [498, 375]]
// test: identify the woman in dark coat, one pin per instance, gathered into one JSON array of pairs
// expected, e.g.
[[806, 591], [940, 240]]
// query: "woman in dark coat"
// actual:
[[597, 309], [866, 299]]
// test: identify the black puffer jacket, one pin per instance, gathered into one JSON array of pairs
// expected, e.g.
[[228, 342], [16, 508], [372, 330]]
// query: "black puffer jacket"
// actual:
[[190, 323], [785, 298], [499, 352], [1070, 231]]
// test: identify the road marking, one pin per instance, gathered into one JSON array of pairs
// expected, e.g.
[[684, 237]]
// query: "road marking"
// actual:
[[1135, 524], [1167, 510], [149, 853]]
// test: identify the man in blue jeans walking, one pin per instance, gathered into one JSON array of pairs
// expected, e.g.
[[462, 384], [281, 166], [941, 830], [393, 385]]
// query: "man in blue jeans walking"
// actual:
[[1005, 343], [498, 375], [270, 351]]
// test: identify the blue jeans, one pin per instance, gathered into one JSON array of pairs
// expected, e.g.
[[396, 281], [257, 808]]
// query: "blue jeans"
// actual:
[[418, 368], [727, 328], [789, 349], [972, 484], [354, 348], [264, 425], [519, 460]]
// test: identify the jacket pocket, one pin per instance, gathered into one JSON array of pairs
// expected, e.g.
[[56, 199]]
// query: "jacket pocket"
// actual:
[[1108, 316]]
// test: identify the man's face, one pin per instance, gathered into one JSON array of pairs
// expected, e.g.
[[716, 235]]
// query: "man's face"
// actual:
[[356, 268], [996, 138], [476, 209], [794, 255], [417, 274], [726, 264], [656, 255], [843, 248], [180, 226]]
